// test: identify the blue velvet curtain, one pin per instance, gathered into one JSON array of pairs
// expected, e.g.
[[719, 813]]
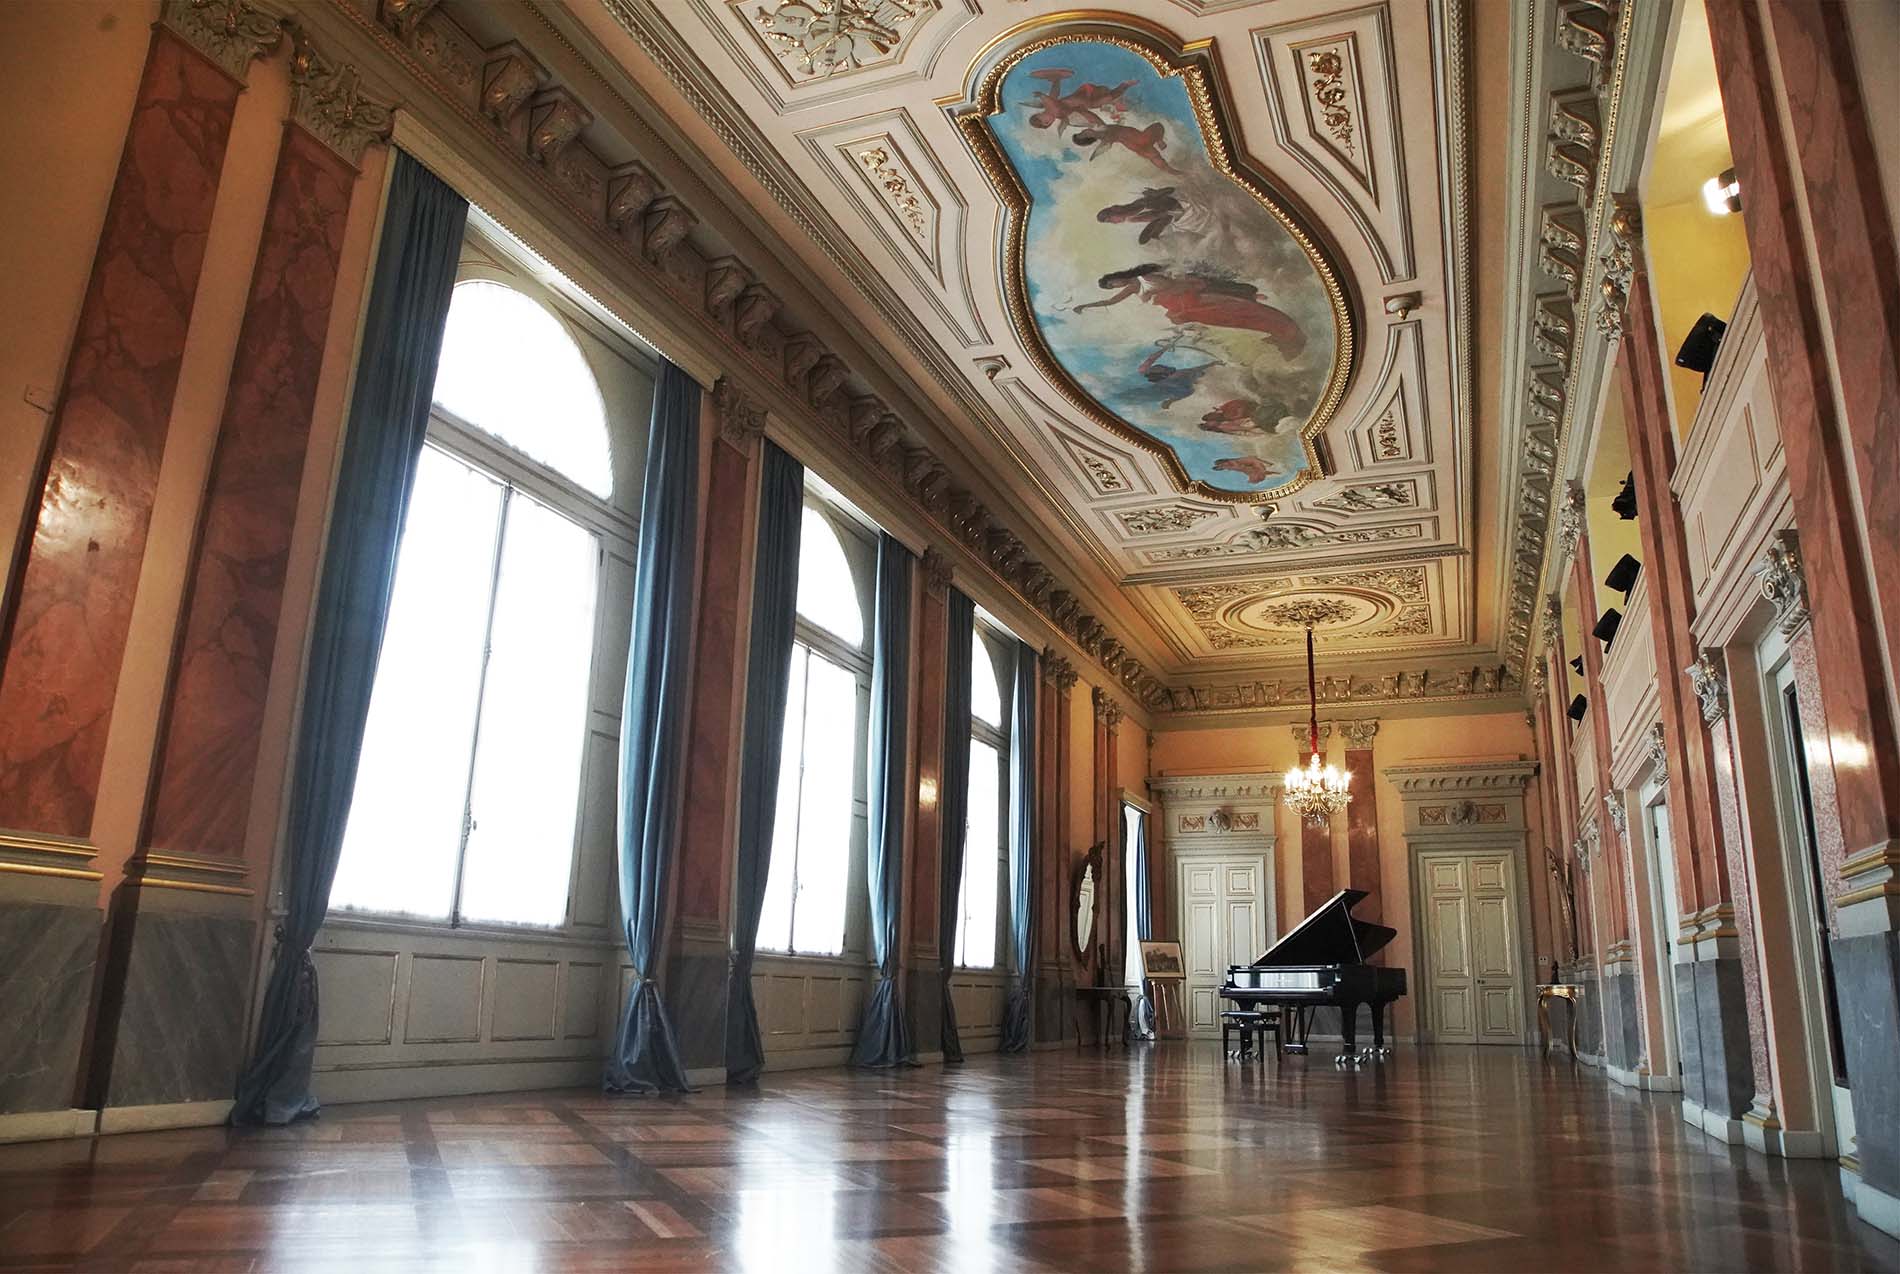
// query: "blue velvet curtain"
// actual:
[[768, 680], [1022, 857], [883, 1035], [953, 800], [653, 730], [389, 414]]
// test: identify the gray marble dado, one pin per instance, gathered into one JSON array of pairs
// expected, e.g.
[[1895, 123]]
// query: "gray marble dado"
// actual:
[[1689, 1033], [1623, 1028], [1867, 984], [696, 1002], [1728, 1076], [923, 1006], [180, 1033], [47, 954]]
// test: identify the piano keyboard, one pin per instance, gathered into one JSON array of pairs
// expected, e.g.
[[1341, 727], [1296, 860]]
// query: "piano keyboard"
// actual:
[[1277, 979]]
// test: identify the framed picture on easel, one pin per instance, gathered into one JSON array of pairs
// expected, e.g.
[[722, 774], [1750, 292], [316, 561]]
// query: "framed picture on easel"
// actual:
[[1163, 971]]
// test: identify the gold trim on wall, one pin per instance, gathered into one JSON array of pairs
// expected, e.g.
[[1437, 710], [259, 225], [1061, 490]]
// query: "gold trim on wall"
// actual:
[[1193, 63]]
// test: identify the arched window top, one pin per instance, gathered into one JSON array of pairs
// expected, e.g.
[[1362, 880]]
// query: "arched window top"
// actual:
[[510, 369], [827, 590], [986, 689]]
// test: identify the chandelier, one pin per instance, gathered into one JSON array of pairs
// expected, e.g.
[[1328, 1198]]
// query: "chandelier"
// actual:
[[1318, 792]]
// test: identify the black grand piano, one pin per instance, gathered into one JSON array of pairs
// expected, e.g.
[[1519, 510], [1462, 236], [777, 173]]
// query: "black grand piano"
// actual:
[[1323, 961]]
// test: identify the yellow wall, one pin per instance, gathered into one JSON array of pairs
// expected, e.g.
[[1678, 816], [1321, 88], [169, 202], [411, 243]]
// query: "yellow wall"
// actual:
[[1403, 741]]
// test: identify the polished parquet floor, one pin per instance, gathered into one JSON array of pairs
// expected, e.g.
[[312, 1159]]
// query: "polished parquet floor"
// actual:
[[1157, 1158]]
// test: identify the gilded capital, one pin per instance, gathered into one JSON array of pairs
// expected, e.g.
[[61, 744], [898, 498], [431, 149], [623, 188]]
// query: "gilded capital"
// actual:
[[1358, 734], [1783, 583], [1709, 679], [938, 574], [229, 32], [741, 417], [327, 100]]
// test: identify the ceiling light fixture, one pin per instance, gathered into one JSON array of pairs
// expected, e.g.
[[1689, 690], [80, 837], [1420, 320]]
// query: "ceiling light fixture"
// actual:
[[1722, 194], [1317, 792]]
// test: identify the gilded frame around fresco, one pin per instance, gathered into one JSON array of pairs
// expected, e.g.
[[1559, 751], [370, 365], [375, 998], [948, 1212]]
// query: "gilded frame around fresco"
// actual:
[[1194, 64]]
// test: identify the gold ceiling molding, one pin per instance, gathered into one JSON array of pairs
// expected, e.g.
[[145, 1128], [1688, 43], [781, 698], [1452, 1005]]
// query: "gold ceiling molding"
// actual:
[[1413, 685], [649, 231], [1584, 241], [1191, 62]]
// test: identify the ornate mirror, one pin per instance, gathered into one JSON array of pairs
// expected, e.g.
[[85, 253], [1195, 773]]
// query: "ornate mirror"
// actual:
[[1089, 897]]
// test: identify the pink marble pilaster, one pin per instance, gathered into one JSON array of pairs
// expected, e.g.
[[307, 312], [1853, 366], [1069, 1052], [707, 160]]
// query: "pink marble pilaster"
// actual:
[[73, 587]]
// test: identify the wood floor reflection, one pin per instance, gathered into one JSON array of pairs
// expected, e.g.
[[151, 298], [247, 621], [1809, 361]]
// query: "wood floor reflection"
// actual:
[[1160, 1158]]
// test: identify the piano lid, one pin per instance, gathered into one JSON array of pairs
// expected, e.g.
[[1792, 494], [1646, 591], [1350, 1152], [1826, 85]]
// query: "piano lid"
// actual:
[[1330, 935]]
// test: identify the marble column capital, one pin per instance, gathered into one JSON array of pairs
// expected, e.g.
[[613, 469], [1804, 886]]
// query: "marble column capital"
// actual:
[[231, 33]]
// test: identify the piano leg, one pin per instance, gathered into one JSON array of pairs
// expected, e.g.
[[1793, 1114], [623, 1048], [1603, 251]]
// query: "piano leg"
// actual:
[[1379, 1049], [1349, 1054], [1295, 1039]]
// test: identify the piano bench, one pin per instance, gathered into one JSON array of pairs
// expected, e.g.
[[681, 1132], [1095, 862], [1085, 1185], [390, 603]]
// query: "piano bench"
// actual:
[[1251, 1023]]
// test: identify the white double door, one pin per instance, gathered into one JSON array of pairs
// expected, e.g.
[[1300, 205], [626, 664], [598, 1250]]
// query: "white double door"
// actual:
[[1223, 922], [1474, 980]]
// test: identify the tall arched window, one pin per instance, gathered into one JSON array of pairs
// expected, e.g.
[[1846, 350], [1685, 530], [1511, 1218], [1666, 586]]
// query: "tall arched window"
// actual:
[[468, 792], [819, 829], [986, 831]]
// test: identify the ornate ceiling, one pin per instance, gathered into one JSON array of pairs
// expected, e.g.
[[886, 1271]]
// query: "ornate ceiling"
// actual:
[[1281, 420]]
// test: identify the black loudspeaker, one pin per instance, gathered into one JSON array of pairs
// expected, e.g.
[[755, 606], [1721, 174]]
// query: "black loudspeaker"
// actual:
[[1607, 623], [1624, 503], [1699, 346], [1577, 707], [1622, 576], [1576, 664]]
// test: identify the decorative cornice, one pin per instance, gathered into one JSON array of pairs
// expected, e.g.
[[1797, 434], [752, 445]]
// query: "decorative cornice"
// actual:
[[741, 417], [232, 33], [627, 207], [327, 100], [1708, 677], [1197, 787], [1358, 734], [1409, 686], [1553, 621], [404, 16], [1783, 582], [1460, 776], [938, 574]]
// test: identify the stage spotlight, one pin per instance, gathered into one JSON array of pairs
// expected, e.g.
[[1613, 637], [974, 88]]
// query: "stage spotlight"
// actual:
[[1722, 195], [1576, 664], [1624, 505], [1700, 345], [1607, 623], [1622, 576], [1577, 707]]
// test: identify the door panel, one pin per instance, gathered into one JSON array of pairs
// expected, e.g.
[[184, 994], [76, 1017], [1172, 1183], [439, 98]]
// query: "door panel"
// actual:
[[1223, 922], [1471, 949]]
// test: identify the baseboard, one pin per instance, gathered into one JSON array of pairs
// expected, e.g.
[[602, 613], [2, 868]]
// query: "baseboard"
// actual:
[[1877, 1208], [706, 1076], [1692, 1112], [930, 1059], [181, 1114], [806, 1059], [1786, 1143], [342, 1085], [47, 1125], [1722, 1128]]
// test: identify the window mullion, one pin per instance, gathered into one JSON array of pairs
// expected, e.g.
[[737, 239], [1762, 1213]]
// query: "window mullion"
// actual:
[[481, 693], [798, 812]]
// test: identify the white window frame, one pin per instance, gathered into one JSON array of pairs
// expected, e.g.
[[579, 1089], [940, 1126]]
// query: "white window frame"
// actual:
[[614, 526], [1003, 661], [861, 555]]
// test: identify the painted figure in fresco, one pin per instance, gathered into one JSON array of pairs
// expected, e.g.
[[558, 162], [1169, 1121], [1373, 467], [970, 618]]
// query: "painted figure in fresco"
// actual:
[[1145, 143], [1159, 210], [1195, 297], [1166, 383], [1252, 468], [1087, 105]]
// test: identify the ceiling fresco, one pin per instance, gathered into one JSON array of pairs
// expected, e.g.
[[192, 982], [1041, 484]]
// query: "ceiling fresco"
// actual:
[[1159, 284], [1199, 292]]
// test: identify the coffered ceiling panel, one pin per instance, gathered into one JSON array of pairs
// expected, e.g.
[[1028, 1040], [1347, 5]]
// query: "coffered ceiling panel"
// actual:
[[1195, 275]]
